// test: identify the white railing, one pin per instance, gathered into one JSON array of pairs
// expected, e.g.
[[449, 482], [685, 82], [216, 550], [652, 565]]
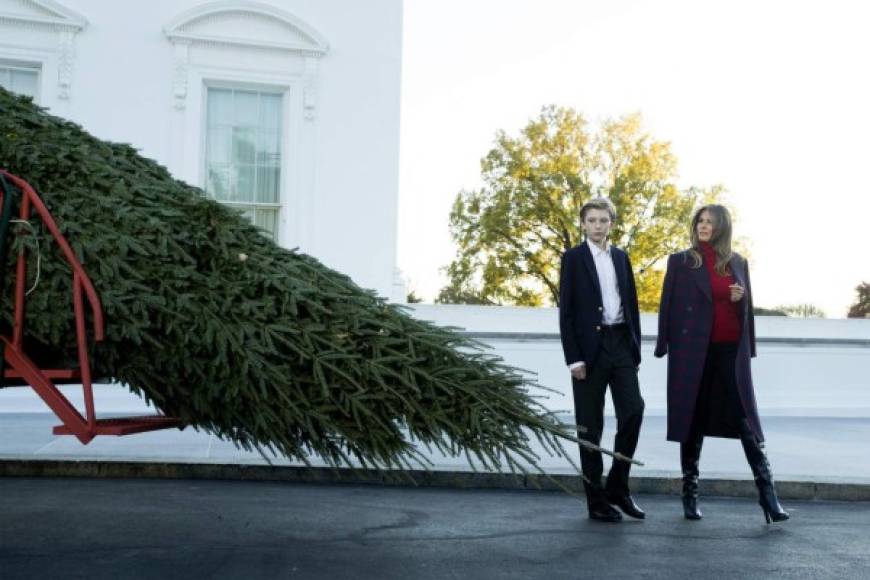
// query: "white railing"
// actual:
[[805, 367]]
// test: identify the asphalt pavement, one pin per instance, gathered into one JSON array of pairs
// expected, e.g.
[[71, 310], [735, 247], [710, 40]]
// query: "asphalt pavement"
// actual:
[[167, 529]]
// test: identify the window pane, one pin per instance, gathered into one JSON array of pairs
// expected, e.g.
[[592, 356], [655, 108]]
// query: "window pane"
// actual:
[[20, 80], [245, 184], [270, 112], [269, 148], [268, 220], [267, 184], [220, 107], [243, 152], [218, 182], [246, 108], [218, 148], [244, 145], [265, 218]]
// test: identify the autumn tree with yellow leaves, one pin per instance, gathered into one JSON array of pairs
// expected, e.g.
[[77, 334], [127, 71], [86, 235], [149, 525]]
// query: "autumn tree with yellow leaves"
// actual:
[[512, 231]]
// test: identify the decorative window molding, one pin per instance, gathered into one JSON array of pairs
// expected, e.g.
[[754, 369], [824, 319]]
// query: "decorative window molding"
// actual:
[[266, 26], [246, 26], [21, 77], [246, 45], [50, 17]]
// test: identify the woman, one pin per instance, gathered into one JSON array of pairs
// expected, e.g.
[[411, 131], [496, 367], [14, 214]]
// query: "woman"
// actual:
[[707, 329]]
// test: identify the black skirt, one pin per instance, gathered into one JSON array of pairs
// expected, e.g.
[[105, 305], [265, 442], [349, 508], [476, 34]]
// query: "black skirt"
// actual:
[[718, 410]]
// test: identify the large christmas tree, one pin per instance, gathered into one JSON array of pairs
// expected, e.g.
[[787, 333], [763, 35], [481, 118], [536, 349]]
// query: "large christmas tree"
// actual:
[[215, 324]]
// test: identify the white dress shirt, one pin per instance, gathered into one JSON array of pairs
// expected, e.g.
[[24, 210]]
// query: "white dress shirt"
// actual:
[[610, 300]]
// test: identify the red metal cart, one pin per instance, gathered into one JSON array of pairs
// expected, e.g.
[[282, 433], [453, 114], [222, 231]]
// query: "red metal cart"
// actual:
[[21, 369]]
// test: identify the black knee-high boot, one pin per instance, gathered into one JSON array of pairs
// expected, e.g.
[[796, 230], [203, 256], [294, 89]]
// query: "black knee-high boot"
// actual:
[[690, 455], [757, 459]]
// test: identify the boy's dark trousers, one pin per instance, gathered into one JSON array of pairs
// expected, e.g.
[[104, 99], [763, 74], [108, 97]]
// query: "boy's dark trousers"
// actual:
[[613, 366]]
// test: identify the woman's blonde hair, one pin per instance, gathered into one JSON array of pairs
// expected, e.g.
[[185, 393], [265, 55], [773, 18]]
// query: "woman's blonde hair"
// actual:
[[720, 240]]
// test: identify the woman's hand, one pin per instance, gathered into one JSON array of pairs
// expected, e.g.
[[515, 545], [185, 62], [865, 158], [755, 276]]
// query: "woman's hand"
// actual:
[[737, 292]]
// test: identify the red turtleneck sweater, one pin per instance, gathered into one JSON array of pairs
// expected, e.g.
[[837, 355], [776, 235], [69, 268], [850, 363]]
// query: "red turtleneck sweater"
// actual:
[[726, 323]]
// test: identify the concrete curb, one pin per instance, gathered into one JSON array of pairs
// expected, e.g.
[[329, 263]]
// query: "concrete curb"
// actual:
[[803, 490]]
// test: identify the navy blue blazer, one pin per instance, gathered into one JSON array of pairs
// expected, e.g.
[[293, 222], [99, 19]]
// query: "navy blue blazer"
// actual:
[[581, 307]]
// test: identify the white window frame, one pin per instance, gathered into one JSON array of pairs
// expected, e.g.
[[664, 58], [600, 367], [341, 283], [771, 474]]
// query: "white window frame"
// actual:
[[44, 62], [204, 57], [285, 122], [194, 137], [29, 66], [43, 33]]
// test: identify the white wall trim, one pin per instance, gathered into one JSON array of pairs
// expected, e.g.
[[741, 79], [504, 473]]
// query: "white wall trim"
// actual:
[[45, 61], [48, 16], [190, 136], [300, 37], [290, 35], [46, 13], [201, 38]]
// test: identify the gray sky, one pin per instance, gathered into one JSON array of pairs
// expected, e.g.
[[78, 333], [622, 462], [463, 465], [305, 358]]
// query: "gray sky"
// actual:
[[769, 98]]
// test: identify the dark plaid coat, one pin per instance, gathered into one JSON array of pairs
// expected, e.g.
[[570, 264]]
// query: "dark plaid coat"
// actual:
[[685, 325]]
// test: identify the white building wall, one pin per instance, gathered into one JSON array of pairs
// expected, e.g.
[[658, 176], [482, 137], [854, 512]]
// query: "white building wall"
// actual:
[[341, 142]]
